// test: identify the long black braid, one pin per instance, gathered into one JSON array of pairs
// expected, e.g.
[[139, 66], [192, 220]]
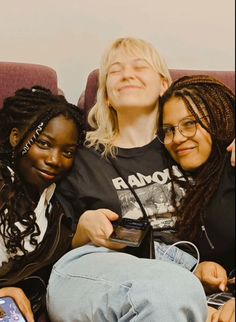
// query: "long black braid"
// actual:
[[29, 110], [202, 95]]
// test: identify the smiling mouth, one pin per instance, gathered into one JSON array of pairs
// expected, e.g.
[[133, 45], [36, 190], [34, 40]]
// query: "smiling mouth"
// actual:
[[185, 151], [46, 175], [129, 87]]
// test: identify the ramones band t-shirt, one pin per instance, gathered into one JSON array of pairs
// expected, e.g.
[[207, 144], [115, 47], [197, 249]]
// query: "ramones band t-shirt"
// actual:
[[94, 183]]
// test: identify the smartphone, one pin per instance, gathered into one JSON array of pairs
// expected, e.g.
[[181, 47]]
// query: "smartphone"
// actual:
[[217, 300], [129, 231], [9, 310]]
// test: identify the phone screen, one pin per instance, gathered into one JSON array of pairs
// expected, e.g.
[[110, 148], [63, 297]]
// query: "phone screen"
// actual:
[[130, 232], [9, 311]]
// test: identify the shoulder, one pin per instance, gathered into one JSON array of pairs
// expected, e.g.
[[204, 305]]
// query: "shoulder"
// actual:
[[86, 152], [88, 157], [224, 197]]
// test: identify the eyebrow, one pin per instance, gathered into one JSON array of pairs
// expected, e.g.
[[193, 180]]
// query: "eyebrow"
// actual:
[[49, 137], [186, 117], [135, 60]]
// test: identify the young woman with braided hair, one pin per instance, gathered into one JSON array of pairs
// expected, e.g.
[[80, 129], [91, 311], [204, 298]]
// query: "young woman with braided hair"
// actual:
[[196, 124], [39, 135]]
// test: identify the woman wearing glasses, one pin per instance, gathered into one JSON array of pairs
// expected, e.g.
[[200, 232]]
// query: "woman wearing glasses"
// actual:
[[196, 125]]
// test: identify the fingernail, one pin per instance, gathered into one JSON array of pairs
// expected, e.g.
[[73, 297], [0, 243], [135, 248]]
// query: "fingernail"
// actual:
[[222, 287]]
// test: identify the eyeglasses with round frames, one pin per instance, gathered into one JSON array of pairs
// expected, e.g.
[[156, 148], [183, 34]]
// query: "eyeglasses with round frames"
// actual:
[[187, 127]]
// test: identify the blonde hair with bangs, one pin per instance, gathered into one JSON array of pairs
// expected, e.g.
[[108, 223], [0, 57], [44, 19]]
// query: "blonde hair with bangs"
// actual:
[[102, 117]]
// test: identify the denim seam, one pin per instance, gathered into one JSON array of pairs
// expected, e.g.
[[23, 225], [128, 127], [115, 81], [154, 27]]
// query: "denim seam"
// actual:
[[110, 283], [98, 279], [132, 306]]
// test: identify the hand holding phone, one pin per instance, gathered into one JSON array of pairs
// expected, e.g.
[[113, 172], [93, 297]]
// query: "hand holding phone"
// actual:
[[129, 231], [9, 310]]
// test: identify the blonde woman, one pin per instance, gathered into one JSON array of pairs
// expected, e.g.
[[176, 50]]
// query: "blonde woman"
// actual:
[[120, 169]]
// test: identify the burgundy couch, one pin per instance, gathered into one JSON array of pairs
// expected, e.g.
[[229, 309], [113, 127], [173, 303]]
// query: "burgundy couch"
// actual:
[[17, 75], [88, 97]]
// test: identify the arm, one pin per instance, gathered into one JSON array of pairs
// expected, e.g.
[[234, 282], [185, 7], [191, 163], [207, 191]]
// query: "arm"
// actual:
[[22, 301], [95, 226], [212, 275]]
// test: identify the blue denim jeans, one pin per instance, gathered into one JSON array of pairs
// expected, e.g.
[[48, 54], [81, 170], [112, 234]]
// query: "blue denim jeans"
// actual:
[[174, 254], [94, 284]]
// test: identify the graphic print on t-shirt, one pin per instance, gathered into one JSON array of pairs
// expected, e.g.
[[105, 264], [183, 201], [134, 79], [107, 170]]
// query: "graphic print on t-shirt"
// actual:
[[154, 191]]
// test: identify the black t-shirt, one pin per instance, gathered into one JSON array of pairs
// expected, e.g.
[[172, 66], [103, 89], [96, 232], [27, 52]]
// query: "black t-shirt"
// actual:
[[94, 183]]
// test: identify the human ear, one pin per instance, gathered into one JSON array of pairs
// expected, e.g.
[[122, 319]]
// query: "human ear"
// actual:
[[14, 137], [164, 86]]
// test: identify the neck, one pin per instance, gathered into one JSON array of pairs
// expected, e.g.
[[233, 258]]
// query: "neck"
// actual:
[[136, 130], [33, 193]]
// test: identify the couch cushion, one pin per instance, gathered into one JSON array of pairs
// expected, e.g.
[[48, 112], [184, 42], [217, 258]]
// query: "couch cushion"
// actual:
[[226, 77], [88, 97], [14, 76]]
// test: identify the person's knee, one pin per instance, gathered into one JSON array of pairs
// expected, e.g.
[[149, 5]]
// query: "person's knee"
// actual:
[[177, 281], [142, 287]]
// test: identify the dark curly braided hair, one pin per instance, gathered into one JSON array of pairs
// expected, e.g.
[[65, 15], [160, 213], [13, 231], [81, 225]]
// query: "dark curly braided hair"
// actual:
[[209, 97], [29, 110]]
